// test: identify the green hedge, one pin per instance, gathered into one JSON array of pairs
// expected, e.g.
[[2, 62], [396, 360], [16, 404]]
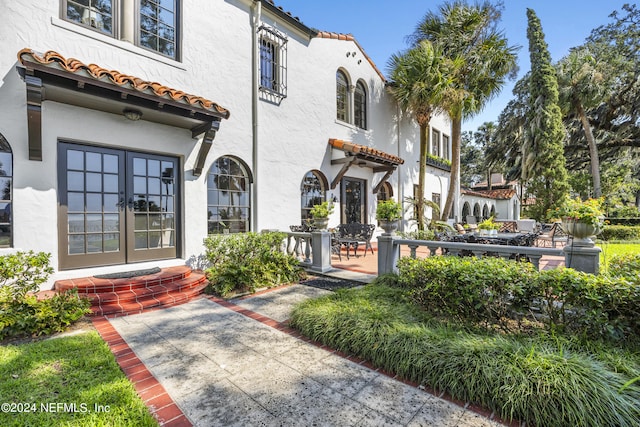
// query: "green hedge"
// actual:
[[21, 313], [247, 261], [622, 221], [620, 232], [492, 292]]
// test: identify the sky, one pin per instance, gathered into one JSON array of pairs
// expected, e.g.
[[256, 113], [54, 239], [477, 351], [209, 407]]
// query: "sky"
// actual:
[[381, 28]]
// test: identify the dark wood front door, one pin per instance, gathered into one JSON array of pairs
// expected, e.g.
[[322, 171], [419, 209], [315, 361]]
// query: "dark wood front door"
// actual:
[[354, 201], [116, 206]]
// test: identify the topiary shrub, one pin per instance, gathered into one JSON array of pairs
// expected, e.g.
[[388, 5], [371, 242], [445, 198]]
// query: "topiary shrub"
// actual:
[[21, 313], [247, 261]]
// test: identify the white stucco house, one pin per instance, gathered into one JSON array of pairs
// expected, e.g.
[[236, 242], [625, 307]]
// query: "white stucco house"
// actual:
[[501, 200], [130, 130]]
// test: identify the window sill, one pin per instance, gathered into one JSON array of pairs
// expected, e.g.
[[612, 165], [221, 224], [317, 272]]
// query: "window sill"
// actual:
[[60, 23], [352, 126]]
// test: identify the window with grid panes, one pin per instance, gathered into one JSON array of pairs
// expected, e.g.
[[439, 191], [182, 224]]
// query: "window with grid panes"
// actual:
[[360, 106], [342, 96], [228, 197], [156, 27]]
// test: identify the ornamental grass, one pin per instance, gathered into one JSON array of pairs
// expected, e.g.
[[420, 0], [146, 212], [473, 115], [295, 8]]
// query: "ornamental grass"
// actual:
[[542, 380]]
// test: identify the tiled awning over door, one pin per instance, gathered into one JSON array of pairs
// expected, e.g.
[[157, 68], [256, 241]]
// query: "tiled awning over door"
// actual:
[[361, 155]]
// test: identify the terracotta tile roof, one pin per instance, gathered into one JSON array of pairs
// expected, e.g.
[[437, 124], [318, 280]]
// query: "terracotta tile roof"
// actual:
[[499, 194], [349, 37], [350, 147], [73, 66]]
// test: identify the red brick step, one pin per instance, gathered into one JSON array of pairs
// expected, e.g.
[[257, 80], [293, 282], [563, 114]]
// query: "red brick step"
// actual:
[[118, 297]]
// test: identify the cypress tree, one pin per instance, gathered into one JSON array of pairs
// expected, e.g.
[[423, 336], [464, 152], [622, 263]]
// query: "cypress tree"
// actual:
[[544, 168]]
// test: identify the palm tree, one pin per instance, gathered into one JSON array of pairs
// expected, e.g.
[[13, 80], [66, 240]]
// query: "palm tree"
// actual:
[[468, 35], [419, 84], [581, 87], [486, 137]]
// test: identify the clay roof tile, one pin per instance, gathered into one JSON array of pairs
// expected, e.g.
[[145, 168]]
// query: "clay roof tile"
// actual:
[[73, 65]]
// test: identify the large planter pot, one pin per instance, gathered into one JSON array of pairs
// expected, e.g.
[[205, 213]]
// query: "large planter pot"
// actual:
[[580, 231], [389, 226], [321, 223]]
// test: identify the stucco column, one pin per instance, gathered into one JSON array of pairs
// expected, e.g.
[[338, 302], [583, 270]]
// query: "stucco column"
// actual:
[[388, 254], [583, 257], [321, 251]]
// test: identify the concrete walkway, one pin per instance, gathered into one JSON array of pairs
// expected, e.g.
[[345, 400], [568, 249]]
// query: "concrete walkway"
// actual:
[[223, 368]]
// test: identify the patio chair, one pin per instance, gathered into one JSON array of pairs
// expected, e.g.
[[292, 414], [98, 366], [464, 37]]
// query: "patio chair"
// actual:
[[552, 237]]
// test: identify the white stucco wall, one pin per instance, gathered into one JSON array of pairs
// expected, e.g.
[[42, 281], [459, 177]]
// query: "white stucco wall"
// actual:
[[292, 136]]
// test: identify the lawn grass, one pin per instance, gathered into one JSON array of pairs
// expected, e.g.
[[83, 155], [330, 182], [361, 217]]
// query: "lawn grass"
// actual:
[[610, 249], [78, 371], [545, 381]]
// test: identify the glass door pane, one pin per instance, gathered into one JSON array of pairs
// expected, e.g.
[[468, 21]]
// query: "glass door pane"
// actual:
[[91, 201], [152, 206]]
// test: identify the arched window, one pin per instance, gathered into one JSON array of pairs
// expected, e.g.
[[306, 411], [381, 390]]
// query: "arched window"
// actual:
[[493, 211], [342, 96], [385, 192], [360, 106], [466, 210], [228, 196], [6, 186], [485, 212], [476, 211], [313, 191]]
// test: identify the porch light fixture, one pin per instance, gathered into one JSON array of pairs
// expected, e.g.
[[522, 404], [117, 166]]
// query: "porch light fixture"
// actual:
[[131, 114]]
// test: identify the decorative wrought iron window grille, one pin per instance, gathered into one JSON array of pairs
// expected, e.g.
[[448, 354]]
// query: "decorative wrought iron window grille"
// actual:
[[273, 62]]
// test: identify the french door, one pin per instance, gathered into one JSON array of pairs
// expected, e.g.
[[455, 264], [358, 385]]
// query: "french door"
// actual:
[[116, 206]]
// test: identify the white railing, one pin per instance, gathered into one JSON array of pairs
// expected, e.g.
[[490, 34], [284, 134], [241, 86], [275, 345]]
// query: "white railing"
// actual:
[[578, 257], [528, 253]]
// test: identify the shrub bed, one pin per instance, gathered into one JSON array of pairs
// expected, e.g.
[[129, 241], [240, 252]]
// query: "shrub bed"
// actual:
[[247, 261], [492, 292], [540, 380], [21, 313]]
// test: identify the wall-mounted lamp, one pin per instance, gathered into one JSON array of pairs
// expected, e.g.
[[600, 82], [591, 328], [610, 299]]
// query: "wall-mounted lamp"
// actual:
[[131, 114]]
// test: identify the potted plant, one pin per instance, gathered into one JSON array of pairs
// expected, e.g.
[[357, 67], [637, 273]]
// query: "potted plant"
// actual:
[[581, 219], [320, 214], [489, 227], [388, 213]]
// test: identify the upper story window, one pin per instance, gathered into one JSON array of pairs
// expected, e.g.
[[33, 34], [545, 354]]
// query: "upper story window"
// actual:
[[342, 96], [360, 106], [6, 187], [445, 147], [156, 27], [351, 101], [273, 62], [96, 14], [435, 143]]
